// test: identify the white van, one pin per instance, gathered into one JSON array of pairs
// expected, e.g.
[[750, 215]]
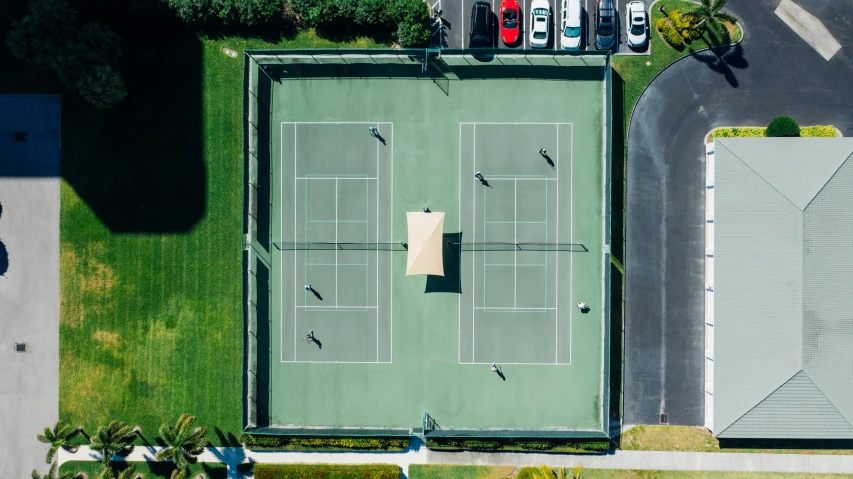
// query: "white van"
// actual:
[[570, 33]]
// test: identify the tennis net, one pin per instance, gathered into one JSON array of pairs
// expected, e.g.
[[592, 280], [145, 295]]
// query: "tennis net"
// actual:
[[402, 246]]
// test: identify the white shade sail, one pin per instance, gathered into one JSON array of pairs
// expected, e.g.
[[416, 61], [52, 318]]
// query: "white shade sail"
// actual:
[[425, 243]]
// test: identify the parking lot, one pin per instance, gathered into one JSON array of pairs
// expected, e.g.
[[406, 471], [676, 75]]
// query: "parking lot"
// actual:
[[456, 23]]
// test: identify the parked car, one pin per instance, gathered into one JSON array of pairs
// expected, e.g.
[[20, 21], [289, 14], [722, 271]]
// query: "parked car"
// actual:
[[480, 32], [540, 23], [570, 38], [637, 24], [510, 22], [605, 24]]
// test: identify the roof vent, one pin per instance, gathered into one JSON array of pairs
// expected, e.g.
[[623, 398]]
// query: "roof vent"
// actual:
[[20, 348], [20, 136], [664, 418]]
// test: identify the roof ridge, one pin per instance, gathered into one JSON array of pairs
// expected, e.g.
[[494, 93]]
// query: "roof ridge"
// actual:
[[763, 178], [767, 396], [806, 374], [828, 181]]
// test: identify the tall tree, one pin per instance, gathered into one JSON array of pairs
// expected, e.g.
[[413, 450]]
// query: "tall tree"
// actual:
[[58, 437], [184, 443], [708, 14], [115, 437]]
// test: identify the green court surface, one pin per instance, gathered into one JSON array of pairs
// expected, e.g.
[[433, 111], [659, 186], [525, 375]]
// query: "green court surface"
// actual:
[[386, 347]]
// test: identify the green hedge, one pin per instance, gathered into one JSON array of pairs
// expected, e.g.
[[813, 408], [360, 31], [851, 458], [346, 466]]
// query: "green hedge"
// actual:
[[552, 445], [256, 442], [326, 471], [669, 34], [819, 131], [783, 126]]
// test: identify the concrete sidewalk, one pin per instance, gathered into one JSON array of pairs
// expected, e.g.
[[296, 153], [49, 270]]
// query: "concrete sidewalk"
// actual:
[[418, 454]]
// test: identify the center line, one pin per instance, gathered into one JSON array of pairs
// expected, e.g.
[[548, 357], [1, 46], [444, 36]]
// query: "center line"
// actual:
[[336, 241], [515, 250]]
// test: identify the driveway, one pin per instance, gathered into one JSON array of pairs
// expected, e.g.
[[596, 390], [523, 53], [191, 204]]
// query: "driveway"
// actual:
[[29, 289], [773, 73]]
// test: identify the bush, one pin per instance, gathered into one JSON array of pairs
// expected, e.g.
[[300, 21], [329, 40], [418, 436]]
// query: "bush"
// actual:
[[412, 17], [227, 12], [669, 34], [684, 25], [818, 131], [553, 445], [313, 471], [293, 442], [783, 126]]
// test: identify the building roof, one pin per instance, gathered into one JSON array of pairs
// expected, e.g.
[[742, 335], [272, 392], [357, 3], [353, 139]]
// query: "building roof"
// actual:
[[783, 292]]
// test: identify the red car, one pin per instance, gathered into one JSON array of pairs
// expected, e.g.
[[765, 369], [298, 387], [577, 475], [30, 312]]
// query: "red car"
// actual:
[[510, 22]]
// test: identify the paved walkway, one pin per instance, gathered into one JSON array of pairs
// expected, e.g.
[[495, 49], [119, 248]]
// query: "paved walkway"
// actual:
[[418, 454], [29, 289]]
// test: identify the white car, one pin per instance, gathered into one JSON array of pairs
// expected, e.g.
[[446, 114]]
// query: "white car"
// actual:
[[540, 23], [570, 31], [638, 27]]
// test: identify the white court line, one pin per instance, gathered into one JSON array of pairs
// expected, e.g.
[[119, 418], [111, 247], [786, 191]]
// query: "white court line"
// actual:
[[339, 362], [571, 228], [557, 268], [336, 241], [474, 262], [459, 222], [336, 307], [487, 308], [475, 123], [367, 185], [498, 178], [515, 240], [334, 178], [391, 271]]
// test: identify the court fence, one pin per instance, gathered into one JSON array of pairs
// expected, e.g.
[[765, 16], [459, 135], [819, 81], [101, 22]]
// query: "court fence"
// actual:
[[402, 246], [262, 69]]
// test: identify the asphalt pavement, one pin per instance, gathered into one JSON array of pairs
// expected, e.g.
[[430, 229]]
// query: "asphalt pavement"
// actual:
[[456, 17], [772, 73]]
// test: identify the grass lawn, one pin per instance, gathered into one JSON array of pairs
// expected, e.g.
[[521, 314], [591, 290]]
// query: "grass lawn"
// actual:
[[151, 226], [698, 439], [149, 470], [423, 471], [417, 471]]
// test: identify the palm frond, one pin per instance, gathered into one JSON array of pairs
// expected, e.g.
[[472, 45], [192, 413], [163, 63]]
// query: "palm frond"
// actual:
[[128, 473], [718, 5], [36, 474]]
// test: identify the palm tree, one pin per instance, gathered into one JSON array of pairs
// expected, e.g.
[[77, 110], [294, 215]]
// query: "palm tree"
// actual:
[[51, 474], [58, 437], [114, 438], [708, 13], [108, 473], [185, 443]]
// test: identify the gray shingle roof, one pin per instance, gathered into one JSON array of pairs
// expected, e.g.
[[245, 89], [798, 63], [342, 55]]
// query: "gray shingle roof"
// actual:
[[783, 305]]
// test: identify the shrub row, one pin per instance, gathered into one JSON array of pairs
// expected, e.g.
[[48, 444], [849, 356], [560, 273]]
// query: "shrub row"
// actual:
[[819, 131], [669, 34], [326, 471], [227, 12], [411, 17], [298, 443], [553, 445]]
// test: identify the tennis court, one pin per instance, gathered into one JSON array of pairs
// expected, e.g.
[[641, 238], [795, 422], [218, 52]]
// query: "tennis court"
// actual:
[[513, 314], [368, 347], [341, 177]]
